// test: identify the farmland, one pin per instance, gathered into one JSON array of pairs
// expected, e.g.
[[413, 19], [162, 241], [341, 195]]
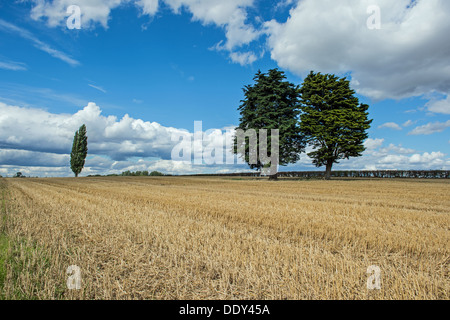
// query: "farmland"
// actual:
[[225, 238]]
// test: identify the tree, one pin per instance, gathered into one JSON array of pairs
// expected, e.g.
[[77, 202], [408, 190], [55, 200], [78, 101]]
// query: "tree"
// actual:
[[271, 103], [79, 151], [156, 174], [18, 175], [333, 121]]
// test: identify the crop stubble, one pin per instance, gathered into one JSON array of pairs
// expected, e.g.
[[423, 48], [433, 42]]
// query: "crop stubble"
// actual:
[[218, 238]]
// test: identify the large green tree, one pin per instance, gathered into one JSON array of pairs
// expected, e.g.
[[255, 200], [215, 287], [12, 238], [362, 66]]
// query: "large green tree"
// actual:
[[333, 121], [271, 103], [79, 151]]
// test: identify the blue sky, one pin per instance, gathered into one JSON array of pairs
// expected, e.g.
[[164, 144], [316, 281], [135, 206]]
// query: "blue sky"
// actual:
[[139, 71]]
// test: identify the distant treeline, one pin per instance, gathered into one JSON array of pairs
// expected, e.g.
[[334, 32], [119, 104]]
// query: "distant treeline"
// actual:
[[417, 174], [133, 174], [142, 174]]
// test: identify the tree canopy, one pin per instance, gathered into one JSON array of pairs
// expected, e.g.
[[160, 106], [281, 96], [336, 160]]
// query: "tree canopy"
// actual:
[[333, 121], [79, 151], [271, 103]]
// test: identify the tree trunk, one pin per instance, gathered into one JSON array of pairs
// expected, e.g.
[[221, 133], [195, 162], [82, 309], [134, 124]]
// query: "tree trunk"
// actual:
[[76, 175], [273, 177], [328, 170]]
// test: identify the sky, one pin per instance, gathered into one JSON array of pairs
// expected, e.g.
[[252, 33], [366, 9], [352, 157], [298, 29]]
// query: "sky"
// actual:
[[140, 73]]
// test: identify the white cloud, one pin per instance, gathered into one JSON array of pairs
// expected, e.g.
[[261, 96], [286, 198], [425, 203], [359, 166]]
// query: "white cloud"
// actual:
[[397, 149], [97, 88], [14, 66], [372, 144], [283, 4], [149, 7], [36, 138], [243, 58], [380, 157], [231, 15], [392, 159], [38, 130], [6, 26], [92, 11], [396, 157], [390, 125], [239, 33], [436, 158], [439, 106], [409, 123], [407, 57], [217, 12], [430, 128]]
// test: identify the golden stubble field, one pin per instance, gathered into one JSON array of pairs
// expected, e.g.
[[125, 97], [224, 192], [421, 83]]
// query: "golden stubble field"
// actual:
[[224, 238]]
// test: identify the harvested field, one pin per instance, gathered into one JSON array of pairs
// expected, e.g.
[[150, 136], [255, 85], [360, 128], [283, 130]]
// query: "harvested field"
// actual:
[[223, 238]]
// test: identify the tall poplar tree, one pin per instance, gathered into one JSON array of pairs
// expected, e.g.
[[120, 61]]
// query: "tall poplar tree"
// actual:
[[333, 121], [272, 103], [79, 151]]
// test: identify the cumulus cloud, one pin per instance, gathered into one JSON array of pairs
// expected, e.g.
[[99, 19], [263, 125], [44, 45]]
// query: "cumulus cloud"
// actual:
[[439, 106], [379, 156], [433, 157], [37, 138], [149, 7], [394, 157], [371, 144], [406, 57], [92, 11], [397, 149], [243, 58], [38, 130], [430, 128]]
